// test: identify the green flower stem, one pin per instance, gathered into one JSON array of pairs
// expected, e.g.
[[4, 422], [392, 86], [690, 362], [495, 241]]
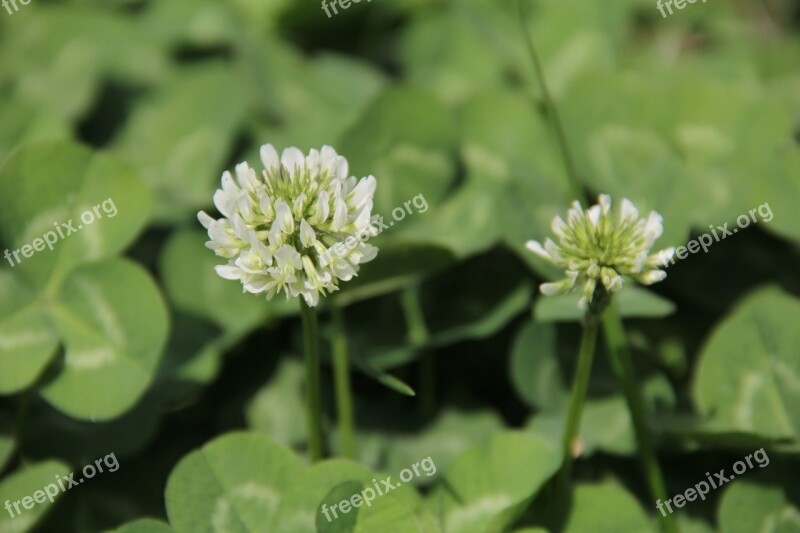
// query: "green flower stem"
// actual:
[[612, 322], [344, 395], [313, 404], [418, 336], [580, 385], [622, 365], [552, 112]]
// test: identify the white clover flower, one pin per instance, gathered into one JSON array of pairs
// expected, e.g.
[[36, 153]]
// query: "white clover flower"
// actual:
[[600, 246], [278, 227]]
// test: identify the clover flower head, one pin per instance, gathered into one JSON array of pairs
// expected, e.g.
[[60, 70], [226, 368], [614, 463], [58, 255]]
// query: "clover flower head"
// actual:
[[278, 227], [601, 246]]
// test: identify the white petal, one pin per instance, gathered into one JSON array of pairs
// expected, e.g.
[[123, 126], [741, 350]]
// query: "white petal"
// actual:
[[228, 271], [239, 227], [205, 220], [260, 249], [269, 157], [342, 269], [559, 227], [311, 298], [362, 192], [551, 289], [339, 216], [628, 210], [593, 214], [604, 201], [362, 221], [265, 203], [654, 227], [307, 234], [322, 209], [369, 253], [288, 256], [294, 161], [327, 160], [246, 176], [245, 208], [258, 284], [639, 262], [283, 217], [588, 288], [553, 250], [228, 185], [275, 236], [575, 213], [342, 168], [662, 258], [312, 162], [225, 203], [653, 276], [615, 285], [299, 205], [538, 249], [250, 263]]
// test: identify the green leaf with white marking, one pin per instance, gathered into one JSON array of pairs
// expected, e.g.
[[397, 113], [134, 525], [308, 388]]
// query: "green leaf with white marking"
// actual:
[[748, 374], [113, 323], [70, 206], [27, 341], [245, 482], [490, 484], [235, 482], [25, 492], [747, 507]]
